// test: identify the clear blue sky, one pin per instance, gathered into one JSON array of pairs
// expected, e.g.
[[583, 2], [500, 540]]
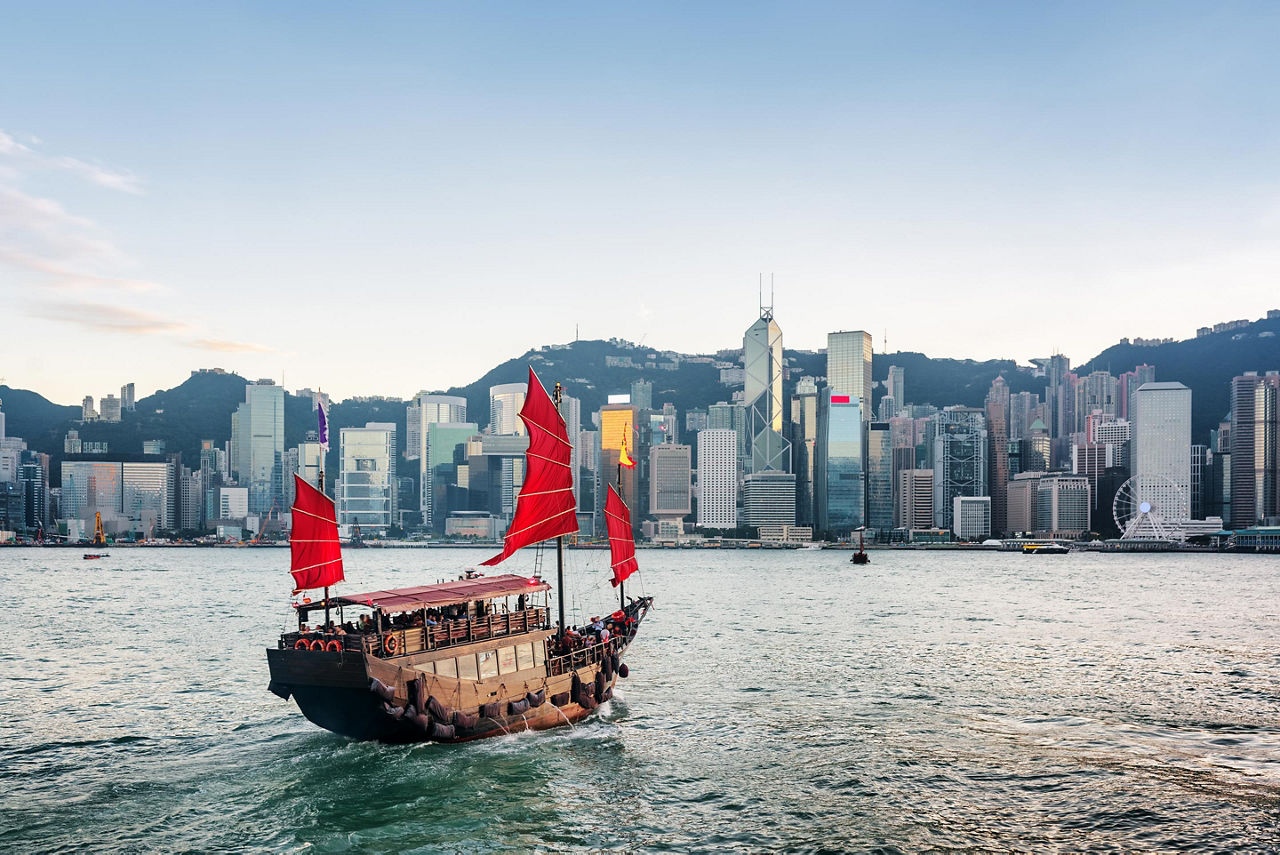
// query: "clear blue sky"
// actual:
[[381, 198]]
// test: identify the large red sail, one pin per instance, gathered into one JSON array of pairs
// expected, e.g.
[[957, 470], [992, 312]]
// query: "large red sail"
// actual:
[[622, 544], [546, 507], [317, 557]]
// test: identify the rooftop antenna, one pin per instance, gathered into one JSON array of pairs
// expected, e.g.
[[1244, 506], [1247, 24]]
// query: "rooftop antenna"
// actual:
[[770, 292], [760, 292]]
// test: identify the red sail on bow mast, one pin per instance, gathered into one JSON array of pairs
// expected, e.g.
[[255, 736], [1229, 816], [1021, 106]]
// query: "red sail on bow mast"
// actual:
[[545, 507], [316, 556], [622, 544]]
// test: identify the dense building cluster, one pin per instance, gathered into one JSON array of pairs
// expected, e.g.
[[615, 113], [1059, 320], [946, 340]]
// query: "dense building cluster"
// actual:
[[1112, 455]]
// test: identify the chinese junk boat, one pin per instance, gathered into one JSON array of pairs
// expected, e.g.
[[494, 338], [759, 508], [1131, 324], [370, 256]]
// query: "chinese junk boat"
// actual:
[[462, 660]]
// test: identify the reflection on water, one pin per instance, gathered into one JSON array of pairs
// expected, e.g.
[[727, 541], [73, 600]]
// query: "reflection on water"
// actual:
[[777, 700]]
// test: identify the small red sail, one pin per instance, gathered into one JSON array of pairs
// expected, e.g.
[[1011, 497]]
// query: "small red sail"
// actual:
[[317, 557], [622, 544], [546, 507]]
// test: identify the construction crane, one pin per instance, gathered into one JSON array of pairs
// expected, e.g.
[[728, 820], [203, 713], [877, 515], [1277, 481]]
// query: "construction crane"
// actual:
[[99, 536]]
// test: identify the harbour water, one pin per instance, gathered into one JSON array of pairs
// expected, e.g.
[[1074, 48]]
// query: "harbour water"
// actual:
[[778, 701]]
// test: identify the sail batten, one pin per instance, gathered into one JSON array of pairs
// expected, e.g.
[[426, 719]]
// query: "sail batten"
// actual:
[[545, 507], [622, 544], [315, 554]]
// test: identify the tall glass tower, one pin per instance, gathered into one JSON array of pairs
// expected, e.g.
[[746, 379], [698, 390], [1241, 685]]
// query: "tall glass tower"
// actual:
[[257, 431], [762, 363]]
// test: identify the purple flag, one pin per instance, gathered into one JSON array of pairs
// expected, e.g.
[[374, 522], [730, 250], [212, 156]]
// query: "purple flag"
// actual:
[[324, 425]]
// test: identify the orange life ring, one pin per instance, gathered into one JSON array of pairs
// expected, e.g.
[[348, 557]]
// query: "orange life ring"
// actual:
[[316, 644], [333, 645], [300, 644], [390, 643]]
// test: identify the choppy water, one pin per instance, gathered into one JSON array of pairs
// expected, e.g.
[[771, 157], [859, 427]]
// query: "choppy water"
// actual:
[[778, 701]]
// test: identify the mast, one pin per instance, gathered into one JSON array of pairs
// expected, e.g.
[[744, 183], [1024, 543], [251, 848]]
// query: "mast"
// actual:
[[320, 485], [558, 394], [622, 596]]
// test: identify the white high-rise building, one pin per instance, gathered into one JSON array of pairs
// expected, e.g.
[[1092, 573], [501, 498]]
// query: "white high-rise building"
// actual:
[[849, 367], [915, 498], [717, 478], [895, 386], [367, 485], [762, 394], [505, 402], [1161, 453]]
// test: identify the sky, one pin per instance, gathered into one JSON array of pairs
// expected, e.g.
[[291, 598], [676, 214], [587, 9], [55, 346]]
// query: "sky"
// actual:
[[380, 198]]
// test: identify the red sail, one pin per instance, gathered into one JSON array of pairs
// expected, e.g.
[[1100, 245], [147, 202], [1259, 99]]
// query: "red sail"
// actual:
[[546, 507], [317, 557], [622, 544]]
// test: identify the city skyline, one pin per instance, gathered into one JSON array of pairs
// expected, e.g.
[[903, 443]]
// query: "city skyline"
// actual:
[[184, 188]]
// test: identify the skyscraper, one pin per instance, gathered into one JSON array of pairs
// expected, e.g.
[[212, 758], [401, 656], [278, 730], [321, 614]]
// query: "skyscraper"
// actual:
[[1162, 448], [642, 395], [849, 367], [257, 433], [367, 488], [505, 402], [840, 492], [880, 490], [429, 409], [670, 482], [959, 460], [998, 452], [762, 367], [717, 478], [1255, 448], [896, 386], [804, 439]]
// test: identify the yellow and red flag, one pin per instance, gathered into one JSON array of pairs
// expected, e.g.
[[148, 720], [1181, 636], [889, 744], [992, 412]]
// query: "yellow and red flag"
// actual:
[[624, 459]]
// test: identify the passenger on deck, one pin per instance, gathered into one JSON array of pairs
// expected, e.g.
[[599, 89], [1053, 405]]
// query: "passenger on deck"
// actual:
[[366, 623]]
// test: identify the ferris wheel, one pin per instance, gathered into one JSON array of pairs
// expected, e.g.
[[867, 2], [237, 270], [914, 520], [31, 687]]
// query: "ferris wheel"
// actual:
[[1150, 507]]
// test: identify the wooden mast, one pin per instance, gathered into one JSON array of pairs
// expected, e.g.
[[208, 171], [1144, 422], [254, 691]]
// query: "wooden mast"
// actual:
[[320, 485], [622, 597], [558, 393]]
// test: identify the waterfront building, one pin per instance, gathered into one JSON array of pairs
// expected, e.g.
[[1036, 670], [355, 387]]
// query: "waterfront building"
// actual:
[[1022, 508], [233, 503], [769, 499], [670, 482], [915, 499], [446, 451], [849, 367], [1161, 448], [840, 494], [997, 411], [717, 478], [425, 410], [762, 396], [804, 441], [972, 515], [880, 491], [367, 488], [505, 402], [1062, 505], [257, 436], [1254, 445], [618, 428], [959, 460]]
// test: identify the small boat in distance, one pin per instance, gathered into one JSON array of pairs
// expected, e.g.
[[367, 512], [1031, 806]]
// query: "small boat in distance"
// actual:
[[1044, 549], [861, 556], [463, 660], [89, 556]]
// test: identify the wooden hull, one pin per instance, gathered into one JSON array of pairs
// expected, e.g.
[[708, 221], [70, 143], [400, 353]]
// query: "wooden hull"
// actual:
[[334, 691]]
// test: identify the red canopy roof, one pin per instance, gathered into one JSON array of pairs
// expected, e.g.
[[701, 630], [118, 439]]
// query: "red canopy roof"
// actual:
[[442, 594]]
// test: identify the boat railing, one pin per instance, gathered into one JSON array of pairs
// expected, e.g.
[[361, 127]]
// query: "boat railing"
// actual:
[[582, 657], [397, 641]]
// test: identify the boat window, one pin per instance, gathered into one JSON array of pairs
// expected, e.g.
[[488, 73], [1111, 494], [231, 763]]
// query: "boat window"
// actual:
[[507, 660], [488, 663], [467, 667], [539, 653], [447, 667], [524, 656]]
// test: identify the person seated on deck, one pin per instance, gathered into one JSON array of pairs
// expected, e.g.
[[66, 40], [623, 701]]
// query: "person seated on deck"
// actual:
[[366, 623], [521, 602], [430, 621], [338, 630], [417, 619]]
